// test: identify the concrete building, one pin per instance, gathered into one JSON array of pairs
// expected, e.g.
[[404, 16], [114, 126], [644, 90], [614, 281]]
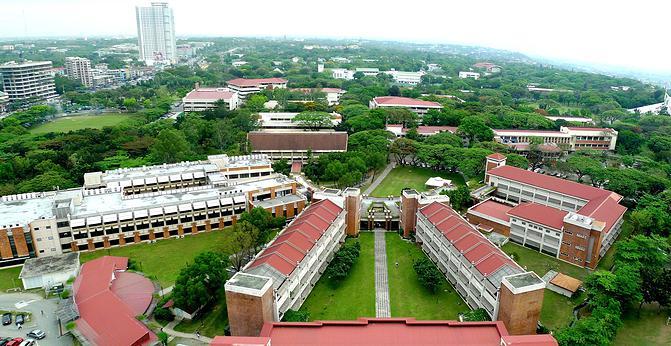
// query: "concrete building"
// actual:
[[420, 107], [4, 102], [245, 87], [469, 74], [144, 204], [406, 77], [411, 201], [46, 272], [156, 33], [567, 138], [399, 131], [281, 276], [481, 273], [79, 69], [489, 67], [200, 99], [341, 73], [385, 332], [368, 71], [570, 221], [284, 120], [333, 95], [29, 80], [295, 144]]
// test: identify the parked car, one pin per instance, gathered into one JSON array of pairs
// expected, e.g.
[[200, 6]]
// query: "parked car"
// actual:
[[4, 341], [15, 342], [20, 319], [28, 342], [6, 319], [37, 334]]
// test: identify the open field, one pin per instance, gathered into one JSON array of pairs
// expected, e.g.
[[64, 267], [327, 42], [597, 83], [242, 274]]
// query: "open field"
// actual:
[[408, 298], [413, 177], [211, 323], [78, 122], [541, 263], [165, 258], [352, 298], [647, 329], [9, 278]]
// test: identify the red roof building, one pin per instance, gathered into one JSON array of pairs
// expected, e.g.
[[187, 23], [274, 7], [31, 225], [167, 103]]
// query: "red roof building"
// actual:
[[200, 99], [295, 144], [385, 331], [400, 131], [244, 86], [109, 299], [418, 106]]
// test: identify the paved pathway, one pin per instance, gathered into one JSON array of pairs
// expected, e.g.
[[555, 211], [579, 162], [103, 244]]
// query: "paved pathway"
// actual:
[[168, 329], [379, 178], [382, 308]]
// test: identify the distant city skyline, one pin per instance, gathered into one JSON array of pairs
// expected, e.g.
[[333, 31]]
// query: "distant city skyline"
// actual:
[[626, 34]]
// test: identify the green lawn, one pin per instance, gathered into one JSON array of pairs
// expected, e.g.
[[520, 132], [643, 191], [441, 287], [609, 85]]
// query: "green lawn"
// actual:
[[648, 329], [165, 258], [407, 296], [78, 122], [9, 278], [352, 298], [412, 177], [212, 323], [558, 310], [541, 263]]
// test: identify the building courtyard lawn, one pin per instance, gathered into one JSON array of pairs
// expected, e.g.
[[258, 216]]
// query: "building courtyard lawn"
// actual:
[[165, 258], [352, 298], [411, 177], [649, 328], [78, 122], [9, 278], [408, 298], [210, 323]]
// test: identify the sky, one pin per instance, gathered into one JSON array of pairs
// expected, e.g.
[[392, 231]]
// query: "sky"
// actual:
[[616, 33]]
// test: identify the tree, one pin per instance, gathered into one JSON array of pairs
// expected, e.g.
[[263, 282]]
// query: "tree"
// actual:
[[170, 146], [242, 243], [313, 120], [282, 167], [394, 90], [427, 273], [403, 150], [264, 221], [131, 104], [198, 282], [582, 165], [342, 262], [444, 138], [474, 129], [255, 102], [517, 160], [296, 316], [460, 198]]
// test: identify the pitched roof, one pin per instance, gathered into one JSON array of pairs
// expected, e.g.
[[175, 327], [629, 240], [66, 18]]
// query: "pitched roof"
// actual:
[[492, 209], [496, 156], [286, 252], [244, 82], [209, 94], [544, 215], [298, 141], [100, 292], [405, 102]]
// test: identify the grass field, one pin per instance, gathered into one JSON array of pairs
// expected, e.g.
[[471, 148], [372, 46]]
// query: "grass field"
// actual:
[[9, 278], [413, 177], [408, 298], [165, 258], [647, 329], [78, 122], [213, 323], [541, 263], [352, 298]]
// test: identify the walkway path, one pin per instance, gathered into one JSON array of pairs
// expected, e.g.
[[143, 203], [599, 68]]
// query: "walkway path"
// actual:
[[379, 178], [381, 284], [168, 329]]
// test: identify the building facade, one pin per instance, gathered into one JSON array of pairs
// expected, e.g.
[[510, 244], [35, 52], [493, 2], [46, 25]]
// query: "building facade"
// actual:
[[420, 107], [567, 138], [244, 87], [79, 69], [296, 144], [156, 33], [29, 80], [201, 99], [468, 74]]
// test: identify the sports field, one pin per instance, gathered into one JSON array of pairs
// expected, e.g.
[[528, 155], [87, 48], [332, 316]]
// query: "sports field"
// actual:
[[78, 122]]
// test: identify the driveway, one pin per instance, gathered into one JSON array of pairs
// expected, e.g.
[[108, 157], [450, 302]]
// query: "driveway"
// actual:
[[35, 304]]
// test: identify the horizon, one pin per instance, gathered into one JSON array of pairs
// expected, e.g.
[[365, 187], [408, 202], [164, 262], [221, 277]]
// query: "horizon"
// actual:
[[621, 39]]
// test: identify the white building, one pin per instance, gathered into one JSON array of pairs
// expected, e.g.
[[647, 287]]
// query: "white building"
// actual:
[[29, 80], [46, 272], [569, 138], [468, 74], [341, 73], [244, 87], [4, 101], [368, 71], [418, 106], [200, 99], [320, 68], [79, 69], [273, 120], [333, 95], [406, 77], [156, 33]]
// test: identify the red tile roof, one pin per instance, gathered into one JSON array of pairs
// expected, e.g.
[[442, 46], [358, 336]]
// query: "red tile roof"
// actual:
[[209, 94], [540, 214], [471, 243], [492, 209], [294, 242], [405, 102], [243, 82], [102, 308], [382, 331], [298, 141], [496, 156]]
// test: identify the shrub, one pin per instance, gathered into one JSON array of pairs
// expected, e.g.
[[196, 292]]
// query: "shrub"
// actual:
[[163, 314], [296, 316], [428, 274]]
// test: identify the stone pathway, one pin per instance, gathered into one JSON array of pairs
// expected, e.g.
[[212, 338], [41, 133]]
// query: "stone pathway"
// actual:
[[168, 329], [379, 178], [382, 308]]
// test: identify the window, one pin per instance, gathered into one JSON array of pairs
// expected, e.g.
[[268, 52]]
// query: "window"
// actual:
[[39, 239], [51, 238], [41, 251]]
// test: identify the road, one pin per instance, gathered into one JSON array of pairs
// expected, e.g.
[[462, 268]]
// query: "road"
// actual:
[[34, 304]]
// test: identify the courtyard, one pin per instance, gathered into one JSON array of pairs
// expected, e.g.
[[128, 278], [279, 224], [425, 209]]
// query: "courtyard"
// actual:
[[411, 177]]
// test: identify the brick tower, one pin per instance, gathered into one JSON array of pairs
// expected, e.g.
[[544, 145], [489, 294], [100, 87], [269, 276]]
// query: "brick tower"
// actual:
[[493, 161], [409, 206], [520, 302], [250, 303], [353, 207]]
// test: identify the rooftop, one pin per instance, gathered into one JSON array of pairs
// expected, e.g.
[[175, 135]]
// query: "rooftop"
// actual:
[[405, 102], [243, 82], [544, 215], [492, 209], [209, 94], [298, 140], [52, 264]]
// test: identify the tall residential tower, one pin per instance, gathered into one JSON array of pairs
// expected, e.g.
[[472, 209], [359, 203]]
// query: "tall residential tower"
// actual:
[[28, 80], [79, 69], [156, 33]]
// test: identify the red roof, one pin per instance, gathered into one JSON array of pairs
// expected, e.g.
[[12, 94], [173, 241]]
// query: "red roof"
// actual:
[[109, 300], [243, 82], [496, 156], [492, 209], [405, 102], [298, 140], [540, 214], [289, 248], [471, 243], [209, 94], [381, 331]]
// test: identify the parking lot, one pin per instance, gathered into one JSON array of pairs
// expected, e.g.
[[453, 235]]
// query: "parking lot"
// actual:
[[34, 304]]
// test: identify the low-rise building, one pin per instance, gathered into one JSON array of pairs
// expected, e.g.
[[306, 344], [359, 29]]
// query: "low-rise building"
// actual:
[[201, 99], [406, 77], [400, 131], [244, 87], [296, 144], [333, 95], [420, 107], [342, 73], [368, 71], [567, 138], [469, 74], [488, 66], [46, 272], [284, 120], [570, 221]]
